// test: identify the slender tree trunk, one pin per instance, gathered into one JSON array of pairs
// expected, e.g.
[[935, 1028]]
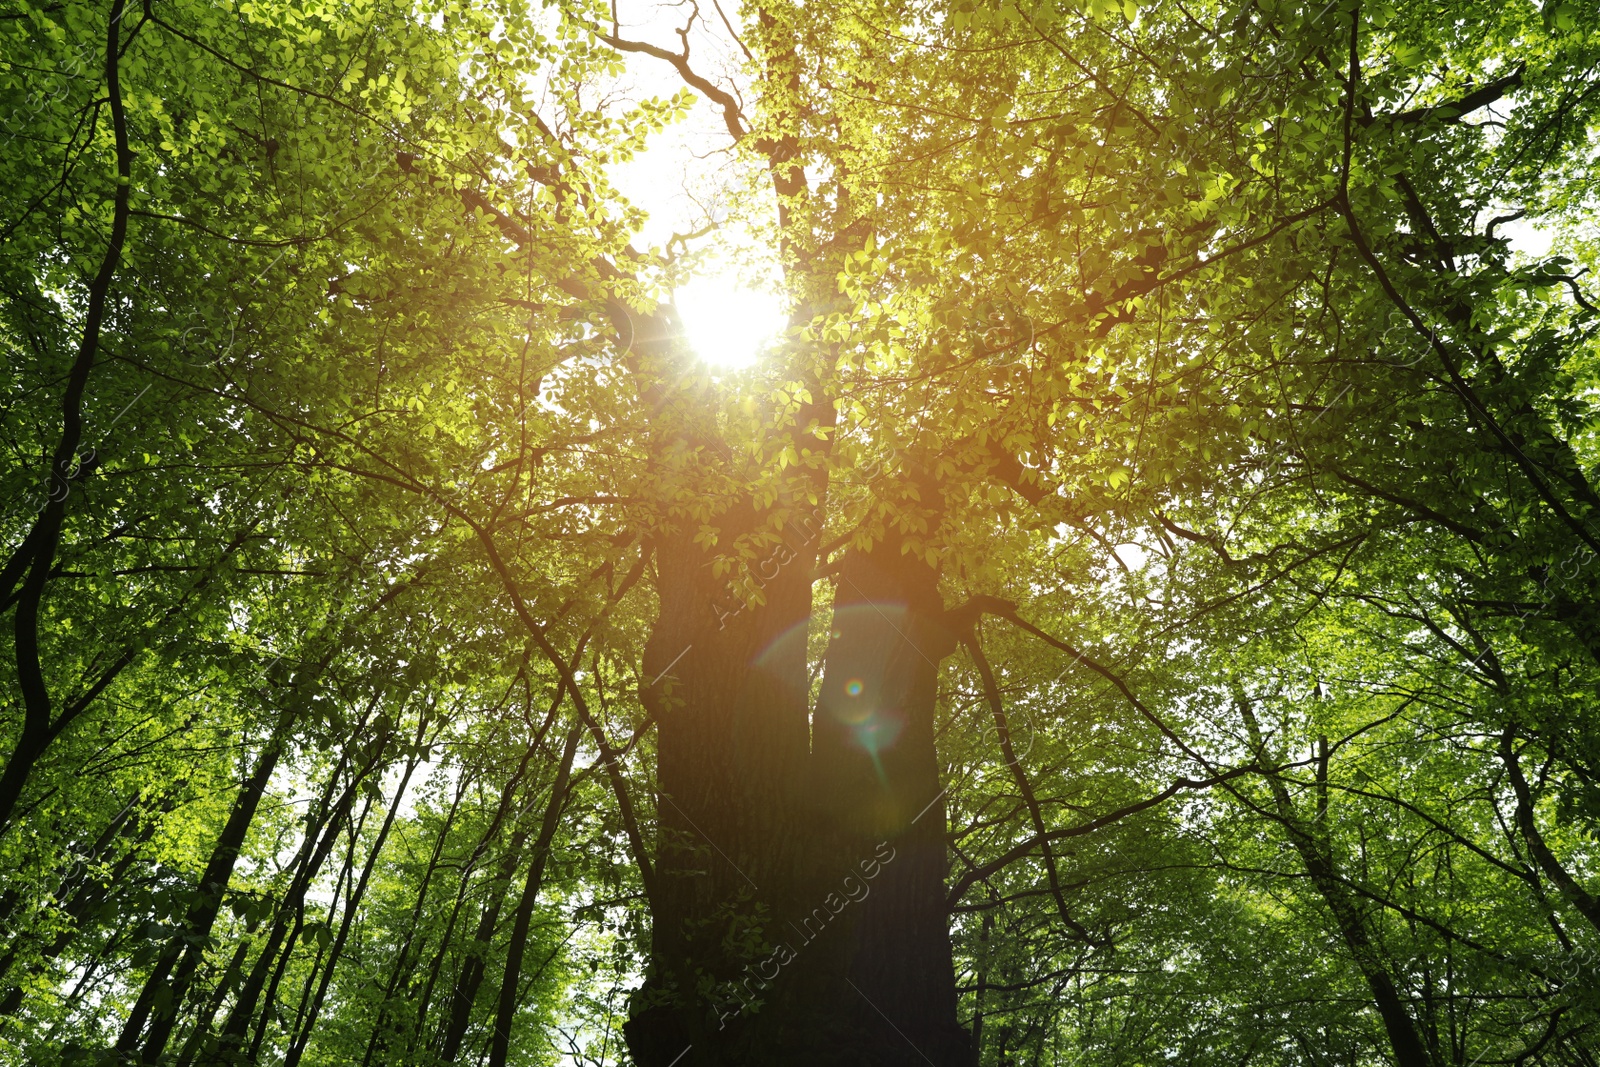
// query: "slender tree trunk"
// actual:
[[78, 894], [76, 869], [991, 691], [164, 990], [39, 725], [352, 906], [978, 997], [78, 906], [322, 834], [423, 998], [403, 964], [343, 885], [231, 974], [465, 992], [510, 984], [269, 1000], [1404, 1038]]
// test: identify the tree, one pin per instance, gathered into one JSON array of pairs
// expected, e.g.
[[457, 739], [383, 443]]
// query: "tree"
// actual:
[[1142, 609]]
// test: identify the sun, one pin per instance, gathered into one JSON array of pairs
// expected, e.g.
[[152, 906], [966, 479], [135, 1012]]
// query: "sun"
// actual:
[[727, 323]]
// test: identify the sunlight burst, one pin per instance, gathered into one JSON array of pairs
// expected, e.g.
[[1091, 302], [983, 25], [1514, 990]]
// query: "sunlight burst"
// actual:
[[727, 324]]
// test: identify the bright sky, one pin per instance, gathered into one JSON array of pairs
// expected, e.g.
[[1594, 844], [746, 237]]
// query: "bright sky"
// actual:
[[730, 306]]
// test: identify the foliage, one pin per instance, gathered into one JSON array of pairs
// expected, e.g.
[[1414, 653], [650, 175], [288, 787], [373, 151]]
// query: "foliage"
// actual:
[[347, 441]]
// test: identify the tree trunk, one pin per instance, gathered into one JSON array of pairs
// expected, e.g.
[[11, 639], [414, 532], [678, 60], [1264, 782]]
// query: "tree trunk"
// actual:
[[470, 978], [322, 833], [726, 684], [799, 913], [725, 680], [1579, 897], [39, 727], [1316, 857], [883, 976], [510, 984], [194, 1043], [352, 906], [985, 933], [403, 963], [79, 893], [164, 990]]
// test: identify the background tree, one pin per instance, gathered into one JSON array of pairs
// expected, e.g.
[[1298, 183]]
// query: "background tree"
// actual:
[[1142, 609]]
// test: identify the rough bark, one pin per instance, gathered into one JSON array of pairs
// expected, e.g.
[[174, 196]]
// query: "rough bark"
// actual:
[[883, 976], [729, 699], [852, 963]]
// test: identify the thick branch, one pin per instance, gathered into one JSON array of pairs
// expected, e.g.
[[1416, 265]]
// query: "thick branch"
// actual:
[[1041, 835], [732, 115], [1580, 898], [1452, 112]]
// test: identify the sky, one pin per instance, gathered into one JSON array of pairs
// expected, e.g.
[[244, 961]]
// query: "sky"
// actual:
[[730, 306]]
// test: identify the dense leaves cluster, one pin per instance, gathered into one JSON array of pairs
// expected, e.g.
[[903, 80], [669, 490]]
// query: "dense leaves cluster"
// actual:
[[414, 654]]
